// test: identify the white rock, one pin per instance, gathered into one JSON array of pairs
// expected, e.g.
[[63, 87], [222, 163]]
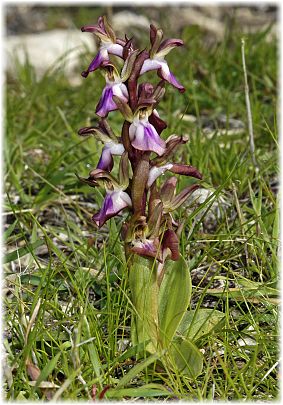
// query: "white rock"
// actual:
[[124, 19], [247, 341], [56, 48]]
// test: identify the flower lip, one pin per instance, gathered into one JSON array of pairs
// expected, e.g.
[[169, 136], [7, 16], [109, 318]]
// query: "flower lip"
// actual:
[[106, 161], [147, 248], [143, 135], [102, 57], [113, 203], [106, 102]]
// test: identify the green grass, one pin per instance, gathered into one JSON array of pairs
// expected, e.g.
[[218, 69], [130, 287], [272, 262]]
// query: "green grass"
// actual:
[[66, 293]]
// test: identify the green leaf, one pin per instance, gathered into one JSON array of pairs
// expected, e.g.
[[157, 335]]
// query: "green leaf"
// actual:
[[187, 357], [47, 370], [146, 391], [199, 322], [137, 369], [9, 231], [94, 358], [144, 296], [10, 257], [174, 298]]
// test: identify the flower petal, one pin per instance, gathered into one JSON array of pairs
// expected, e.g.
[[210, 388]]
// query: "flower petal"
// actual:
[[115, 49], [113, 203], [165, 74], [185, 170], [167, 45], [157, 122], [171, 242], [148, 248], [106, 102], [155, 172], [106, 160], [147, 139], [149, 64], [101, 58]]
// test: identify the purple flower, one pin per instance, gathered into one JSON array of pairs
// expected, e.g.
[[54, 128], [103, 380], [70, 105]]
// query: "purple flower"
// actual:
[[157, 57], [106, 159], [160, 64], [147, 248], [108, 44], [114, 202], [106, 102], [144, 136], [102, 57]]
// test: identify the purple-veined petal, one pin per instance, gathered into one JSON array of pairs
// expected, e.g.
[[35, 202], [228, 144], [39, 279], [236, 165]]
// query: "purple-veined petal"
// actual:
[[113, 203], [106, 102], [148, 248], [101, 58], [106, 160], [164, 73], [155, 172], [144, 137], [120, 90]]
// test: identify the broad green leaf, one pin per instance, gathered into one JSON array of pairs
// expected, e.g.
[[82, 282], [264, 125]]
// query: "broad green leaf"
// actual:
[[187, 357], [174, 298], [199, 322], [144, 296]]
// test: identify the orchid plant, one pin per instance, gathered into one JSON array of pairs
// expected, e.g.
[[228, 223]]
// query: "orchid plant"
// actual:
[[159, 278]]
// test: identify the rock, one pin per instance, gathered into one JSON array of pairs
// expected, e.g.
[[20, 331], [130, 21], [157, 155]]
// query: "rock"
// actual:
[[50, 49], [217, 205], [122, 20]]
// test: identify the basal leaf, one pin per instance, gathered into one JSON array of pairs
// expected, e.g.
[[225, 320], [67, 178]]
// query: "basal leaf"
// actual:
[[187, 357], [174, 298], [199, 322]]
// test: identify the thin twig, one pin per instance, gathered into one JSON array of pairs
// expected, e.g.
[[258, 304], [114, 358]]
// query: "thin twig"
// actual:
[[241, 218], [248, 105]]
